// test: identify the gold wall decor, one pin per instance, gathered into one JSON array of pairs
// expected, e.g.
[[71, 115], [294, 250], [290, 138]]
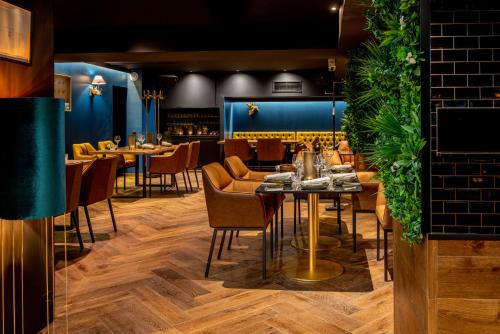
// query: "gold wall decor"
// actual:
[[62, 90], [252, 109], [15, 33]]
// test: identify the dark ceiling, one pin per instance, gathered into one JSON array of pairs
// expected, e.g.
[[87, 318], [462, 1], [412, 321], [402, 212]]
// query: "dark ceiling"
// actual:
[[189, 34]]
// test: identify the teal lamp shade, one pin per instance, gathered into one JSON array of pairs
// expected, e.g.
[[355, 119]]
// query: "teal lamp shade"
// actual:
[[33, 166]]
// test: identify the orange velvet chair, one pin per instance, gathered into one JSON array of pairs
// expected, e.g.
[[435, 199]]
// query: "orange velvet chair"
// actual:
[[232, 205], [192, 161], [97, 186], [238, 147], [170, 164]]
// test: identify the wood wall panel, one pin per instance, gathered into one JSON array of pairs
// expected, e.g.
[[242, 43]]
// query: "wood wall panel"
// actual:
[[35, 79], [460, 292]]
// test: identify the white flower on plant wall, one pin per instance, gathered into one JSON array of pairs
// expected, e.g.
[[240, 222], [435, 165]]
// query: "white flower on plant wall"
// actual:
[[410, 59], [402, 22]]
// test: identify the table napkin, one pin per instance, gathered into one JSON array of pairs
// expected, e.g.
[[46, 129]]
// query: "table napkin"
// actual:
[[345, 177], [324, 181], [280, 177]]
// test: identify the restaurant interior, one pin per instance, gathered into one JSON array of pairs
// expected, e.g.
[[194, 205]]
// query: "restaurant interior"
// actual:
[[251, 166]]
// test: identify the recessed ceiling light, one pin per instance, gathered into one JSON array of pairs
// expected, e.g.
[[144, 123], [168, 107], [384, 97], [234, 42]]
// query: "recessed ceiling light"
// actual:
[[333, 8]]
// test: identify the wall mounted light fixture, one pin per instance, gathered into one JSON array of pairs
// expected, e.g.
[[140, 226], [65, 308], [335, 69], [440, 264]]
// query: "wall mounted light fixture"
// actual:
[[95, 88]]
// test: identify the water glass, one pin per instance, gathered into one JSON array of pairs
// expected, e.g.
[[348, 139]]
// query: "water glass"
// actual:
[[277, 168], [159, 137], [141, 138]]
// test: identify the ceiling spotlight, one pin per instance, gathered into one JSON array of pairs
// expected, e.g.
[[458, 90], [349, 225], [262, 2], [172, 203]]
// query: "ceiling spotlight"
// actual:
[[333, 8]]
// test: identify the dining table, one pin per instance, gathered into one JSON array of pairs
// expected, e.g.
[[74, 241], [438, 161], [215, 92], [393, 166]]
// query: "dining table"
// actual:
[[138, 152], [311, 269]]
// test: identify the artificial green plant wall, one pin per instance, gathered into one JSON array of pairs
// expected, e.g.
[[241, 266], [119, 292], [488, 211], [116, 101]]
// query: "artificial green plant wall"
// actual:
[[390, 73]]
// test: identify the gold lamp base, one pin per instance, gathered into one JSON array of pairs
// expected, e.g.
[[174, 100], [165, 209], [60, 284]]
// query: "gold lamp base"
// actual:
[[324, 243], [300, 270]]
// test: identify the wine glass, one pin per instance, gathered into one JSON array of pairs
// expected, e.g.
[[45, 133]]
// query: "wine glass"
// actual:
[[141, 138], [159, 137], [117, 140], [294, 160]]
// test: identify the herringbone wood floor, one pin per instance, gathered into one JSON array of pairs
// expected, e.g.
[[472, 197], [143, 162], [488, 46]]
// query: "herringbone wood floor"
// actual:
[[148, 277]]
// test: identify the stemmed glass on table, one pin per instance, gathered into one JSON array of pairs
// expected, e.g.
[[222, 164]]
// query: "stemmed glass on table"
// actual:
[[117, 140], [159, 137], [141, 138]]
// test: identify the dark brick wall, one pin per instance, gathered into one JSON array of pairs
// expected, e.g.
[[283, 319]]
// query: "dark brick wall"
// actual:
[[465, 72]]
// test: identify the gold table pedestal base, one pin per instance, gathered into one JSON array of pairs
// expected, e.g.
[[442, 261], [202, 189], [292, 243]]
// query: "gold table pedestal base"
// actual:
[[324, 243], [324, 270]]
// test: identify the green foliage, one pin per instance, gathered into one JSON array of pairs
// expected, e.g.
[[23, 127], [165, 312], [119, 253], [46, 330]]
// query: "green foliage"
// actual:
[[390, 74]]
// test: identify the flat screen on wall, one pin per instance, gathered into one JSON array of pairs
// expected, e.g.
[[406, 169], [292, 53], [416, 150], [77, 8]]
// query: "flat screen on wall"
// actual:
[[468, 130]]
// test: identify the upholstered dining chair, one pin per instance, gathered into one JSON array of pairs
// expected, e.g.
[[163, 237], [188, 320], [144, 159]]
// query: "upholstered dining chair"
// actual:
[[344, 147], [232, 205], [97, 186], [239, 147], [73, 187], [270, 150], [170, 164], [83, 151], [239, 171], [384, 221], [192, 161], [365, 201], [126, 161]]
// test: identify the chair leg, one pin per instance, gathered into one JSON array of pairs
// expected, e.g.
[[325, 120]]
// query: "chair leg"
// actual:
[[185, 183], [214, 236], [298, 209], [264, 255], [150, 187], [124, 180], [271, 237], [354, 247], [339, 216], [196, 177], [378, 240], [86, 210], [221, 245], [237, 234], [385, 257], [75, 218], [112, 215], [230, 240], [189, 180], [276, 235], [294, 216], [174, 180], [116, 183], [282, 222]]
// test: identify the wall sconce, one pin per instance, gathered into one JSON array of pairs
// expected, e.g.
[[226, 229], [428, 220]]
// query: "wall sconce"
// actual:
[[95, 89]]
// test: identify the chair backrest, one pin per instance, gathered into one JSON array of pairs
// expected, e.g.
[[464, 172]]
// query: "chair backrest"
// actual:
[[180, 157], [270, 149], [83, 151], [98, 181], [238, 147], [236, 167], [73, 185], [344, 145], [103, 145], [193, 154], [215, 177], [381, 195]]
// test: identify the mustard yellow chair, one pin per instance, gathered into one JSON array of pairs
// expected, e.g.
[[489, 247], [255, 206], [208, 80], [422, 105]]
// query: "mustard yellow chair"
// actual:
[[325, 137], [126, 161], [83, 151]]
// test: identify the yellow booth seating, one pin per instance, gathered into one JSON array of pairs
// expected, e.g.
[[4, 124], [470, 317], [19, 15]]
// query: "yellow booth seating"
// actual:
[[285, 135], [325, 137]]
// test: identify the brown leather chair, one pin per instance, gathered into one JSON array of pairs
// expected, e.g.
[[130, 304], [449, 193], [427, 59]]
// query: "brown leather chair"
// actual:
[[270, 150], [365, 201], [239, 147], [83, 151], [73, 187], [384, 220], [233, 205], [240, 171], [170, 164], [126, 161], [192, 161], [346, 158], [97, 186]]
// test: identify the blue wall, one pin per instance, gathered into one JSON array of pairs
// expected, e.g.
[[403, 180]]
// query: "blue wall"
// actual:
[[91, 119], [283, 116]]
